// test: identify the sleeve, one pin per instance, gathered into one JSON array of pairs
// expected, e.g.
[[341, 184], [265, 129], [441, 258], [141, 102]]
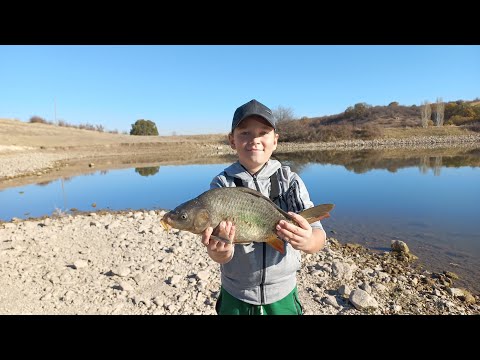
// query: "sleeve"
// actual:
[[302, 197], [217, 182]]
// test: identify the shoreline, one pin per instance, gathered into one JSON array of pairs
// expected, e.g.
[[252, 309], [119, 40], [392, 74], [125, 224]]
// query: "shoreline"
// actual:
[[20, 162], [125, 263]]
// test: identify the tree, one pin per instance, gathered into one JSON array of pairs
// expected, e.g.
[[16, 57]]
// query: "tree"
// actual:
[[144, 127], [359, 110], [439, 112], [426, 112], [283, 114]]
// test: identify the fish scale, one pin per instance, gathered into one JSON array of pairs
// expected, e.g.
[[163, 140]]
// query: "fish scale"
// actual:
[[254, 217]]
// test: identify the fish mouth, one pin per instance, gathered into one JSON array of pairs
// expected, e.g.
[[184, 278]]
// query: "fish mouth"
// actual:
[[165, 224]]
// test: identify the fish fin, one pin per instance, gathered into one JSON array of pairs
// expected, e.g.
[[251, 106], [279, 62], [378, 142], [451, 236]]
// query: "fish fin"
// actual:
[[316, 213], [243, 241], [218, 238], [277, 243]]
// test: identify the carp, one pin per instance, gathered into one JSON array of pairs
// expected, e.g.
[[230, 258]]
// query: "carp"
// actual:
[[254, 215]]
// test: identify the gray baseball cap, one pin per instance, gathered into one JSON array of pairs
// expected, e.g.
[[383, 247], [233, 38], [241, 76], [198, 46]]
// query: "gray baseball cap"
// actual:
[[253, 107]]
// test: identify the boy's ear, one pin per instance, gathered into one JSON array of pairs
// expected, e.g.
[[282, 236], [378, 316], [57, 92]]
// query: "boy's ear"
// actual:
[[275, 142], [231, 141]]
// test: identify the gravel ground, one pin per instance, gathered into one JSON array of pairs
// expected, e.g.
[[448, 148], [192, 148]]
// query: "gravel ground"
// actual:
[[125, 263]]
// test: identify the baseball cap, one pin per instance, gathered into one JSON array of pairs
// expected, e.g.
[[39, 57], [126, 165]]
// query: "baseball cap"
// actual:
[[253, 107]]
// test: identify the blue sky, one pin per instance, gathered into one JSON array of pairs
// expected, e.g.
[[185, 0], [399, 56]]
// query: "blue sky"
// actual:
[[195, 89]]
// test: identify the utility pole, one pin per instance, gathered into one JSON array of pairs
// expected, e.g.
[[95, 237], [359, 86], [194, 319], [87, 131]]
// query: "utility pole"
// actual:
[[55, 106]]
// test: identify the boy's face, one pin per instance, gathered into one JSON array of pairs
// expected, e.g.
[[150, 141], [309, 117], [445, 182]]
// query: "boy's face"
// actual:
[[254, 140]]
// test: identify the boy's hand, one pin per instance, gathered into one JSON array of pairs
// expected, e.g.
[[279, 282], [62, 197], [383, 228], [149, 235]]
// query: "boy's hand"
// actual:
[[298, 236], [225, 230]]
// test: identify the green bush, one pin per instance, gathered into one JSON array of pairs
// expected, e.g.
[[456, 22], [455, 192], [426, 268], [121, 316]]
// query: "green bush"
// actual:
[[144, 127]]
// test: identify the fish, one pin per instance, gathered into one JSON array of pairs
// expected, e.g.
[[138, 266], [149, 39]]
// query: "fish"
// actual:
[[254, 215]]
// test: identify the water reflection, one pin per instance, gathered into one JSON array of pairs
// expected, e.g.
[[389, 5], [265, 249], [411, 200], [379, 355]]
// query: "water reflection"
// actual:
[[147, 171], [363, 161]]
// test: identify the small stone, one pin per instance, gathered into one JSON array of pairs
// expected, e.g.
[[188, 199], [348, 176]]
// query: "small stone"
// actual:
[[121, 271], [80, 264], [203, 275]]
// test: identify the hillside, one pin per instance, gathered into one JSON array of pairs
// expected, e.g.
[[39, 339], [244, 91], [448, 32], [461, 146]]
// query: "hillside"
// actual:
[[396, 115], [365, 122], [18, 133]]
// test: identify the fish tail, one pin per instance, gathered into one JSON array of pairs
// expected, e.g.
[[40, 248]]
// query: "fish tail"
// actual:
[[316, 213]]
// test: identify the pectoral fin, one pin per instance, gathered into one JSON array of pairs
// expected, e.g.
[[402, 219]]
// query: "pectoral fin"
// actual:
[[276, 243]]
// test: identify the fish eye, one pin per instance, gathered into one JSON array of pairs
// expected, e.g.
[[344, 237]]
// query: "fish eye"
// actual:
[[183, 216]]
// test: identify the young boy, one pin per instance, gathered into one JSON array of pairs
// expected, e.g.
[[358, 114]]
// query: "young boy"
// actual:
[[256, 278]]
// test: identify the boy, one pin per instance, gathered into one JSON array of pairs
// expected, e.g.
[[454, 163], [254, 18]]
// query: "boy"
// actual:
[[257, 279]]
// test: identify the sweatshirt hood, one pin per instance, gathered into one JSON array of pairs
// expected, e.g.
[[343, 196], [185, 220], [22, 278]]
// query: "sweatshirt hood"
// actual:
[[238, 171]]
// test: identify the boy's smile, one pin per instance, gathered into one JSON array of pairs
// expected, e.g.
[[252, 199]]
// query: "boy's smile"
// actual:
[[254, 140]]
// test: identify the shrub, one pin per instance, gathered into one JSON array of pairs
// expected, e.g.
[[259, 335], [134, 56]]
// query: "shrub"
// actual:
[[144, 127], [473, 126], [459, 120], [37, 119]]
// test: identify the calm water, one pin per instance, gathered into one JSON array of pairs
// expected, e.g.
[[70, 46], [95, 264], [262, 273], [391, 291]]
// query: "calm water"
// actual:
[[432, 202]]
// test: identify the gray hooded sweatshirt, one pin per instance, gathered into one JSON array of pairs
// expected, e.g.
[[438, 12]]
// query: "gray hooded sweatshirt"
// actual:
[[257, 273]]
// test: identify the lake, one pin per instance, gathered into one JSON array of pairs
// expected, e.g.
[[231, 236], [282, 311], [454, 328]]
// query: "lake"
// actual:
[[429, 199]]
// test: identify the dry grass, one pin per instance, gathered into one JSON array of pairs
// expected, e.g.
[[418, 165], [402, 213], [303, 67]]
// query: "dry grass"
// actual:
[[18, 133], [400, 133], [15, 133]]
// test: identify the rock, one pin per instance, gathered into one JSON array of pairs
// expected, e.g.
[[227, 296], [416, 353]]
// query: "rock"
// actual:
[[332, 301], [362, 300], [344, 291], [451, 275], [121, 271], [203, 275], [125, 286], [80, 264], [399, 246]]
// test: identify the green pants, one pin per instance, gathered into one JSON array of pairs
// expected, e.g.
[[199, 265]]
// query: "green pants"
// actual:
[[230, 305]]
